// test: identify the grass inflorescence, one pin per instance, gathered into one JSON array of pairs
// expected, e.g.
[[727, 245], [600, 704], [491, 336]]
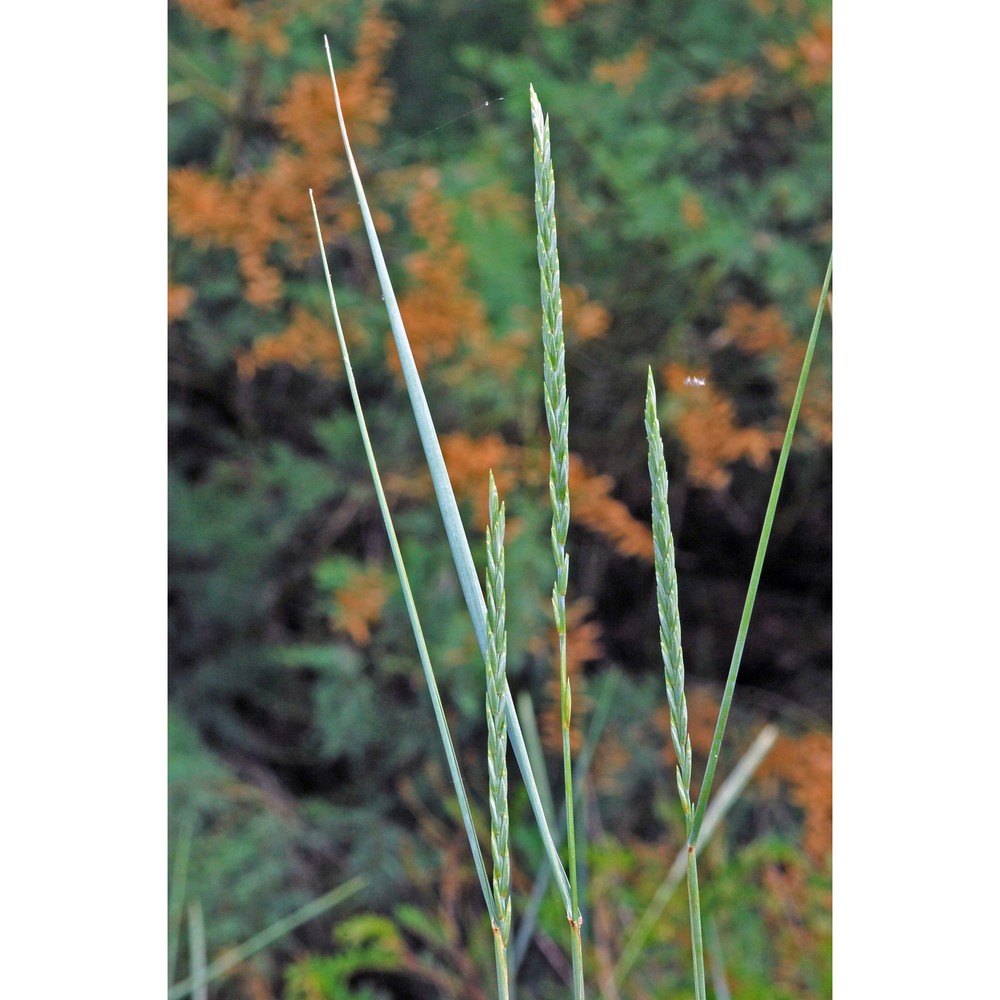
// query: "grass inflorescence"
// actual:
[[496, 723], [488, 614], [673, 662], [557, 418]]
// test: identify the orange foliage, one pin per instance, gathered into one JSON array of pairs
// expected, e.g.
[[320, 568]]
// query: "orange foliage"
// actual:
[[307, 340], [785, 913], [583, 645], [179, 299], [764, 332], [626, 72], [704, 418], [263, 209], [611, 763], [585, 318], [252, 24], [806, 765], [737, 84], [591, 504], [809, 57], [439, 312], [705, 422], [484, 352], [358, 603], [692, 211], [469, 461], [495, 358], [558, 12]]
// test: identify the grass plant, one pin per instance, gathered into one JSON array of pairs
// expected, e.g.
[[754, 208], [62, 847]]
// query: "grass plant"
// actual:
[[758, 565], [458, 542], [204, 972], [673, 663], [488, 614]]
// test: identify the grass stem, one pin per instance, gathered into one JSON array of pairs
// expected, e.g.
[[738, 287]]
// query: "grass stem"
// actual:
[[694, 909], [765, 535], [557, 417], [503, 977], [729, 791]]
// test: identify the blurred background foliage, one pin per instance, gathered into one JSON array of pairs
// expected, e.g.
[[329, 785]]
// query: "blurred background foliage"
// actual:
[[691, 144]]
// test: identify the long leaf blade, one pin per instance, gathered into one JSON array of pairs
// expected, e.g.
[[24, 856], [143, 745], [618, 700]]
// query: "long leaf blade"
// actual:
[[411, 608], [457, 539], [765, 535]]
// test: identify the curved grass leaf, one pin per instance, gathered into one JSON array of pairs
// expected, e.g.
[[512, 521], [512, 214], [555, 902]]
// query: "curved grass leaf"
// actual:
[[765, 535], [457, 539], [229, 960], [411, 608]]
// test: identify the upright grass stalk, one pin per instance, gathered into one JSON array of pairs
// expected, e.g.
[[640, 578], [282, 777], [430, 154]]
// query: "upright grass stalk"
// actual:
[[673, 663], [496, 722], [765, 535], [458, 542], [557, 417]]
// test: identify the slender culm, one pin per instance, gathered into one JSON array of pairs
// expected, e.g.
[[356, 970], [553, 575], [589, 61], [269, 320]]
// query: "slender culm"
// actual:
[[496, 717], [458, 542], [666, 604]]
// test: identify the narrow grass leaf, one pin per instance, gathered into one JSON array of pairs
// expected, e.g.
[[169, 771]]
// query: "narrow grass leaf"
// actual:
[[228, 961], [765, 535], [196, 945], [178, 889], [456, 775], [529, 722], [457, 539]]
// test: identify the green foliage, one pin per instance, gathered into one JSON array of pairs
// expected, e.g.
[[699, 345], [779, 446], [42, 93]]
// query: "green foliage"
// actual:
[[291, 742], [365, 944], [244, 857]]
